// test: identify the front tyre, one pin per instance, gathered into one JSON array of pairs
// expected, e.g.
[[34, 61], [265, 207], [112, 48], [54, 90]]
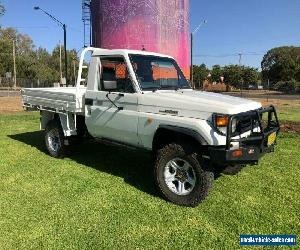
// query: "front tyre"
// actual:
[[54, 139], [180, 177]]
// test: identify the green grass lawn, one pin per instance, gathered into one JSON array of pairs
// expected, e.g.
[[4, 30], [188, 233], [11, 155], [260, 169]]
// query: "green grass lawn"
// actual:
[[289, 113], [103, 197]]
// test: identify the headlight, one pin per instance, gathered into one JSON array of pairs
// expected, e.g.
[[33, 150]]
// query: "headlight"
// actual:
[[234, 125]]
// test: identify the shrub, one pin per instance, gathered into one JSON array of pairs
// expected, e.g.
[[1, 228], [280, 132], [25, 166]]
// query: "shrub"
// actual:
[[291, 86]]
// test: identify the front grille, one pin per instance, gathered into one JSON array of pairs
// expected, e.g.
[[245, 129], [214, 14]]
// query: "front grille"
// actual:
[[253, 121], [245, 124]]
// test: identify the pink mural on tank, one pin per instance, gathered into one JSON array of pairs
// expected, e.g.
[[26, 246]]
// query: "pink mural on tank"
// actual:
[[154, 25]]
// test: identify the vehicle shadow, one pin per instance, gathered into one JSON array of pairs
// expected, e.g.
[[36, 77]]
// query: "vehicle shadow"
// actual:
[[134, 166]]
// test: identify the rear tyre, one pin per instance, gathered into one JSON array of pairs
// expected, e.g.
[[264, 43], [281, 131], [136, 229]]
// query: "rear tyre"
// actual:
[[181, 178], [55, 140]]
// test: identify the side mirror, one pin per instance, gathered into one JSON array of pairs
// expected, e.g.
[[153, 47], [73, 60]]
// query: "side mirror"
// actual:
[[110, 85]]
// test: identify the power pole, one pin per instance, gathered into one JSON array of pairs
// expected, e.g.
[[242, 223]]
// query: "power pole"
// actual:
[[240, 59], [66, 56], [240, 64], [15, 69], [74, 65], [60, 64], [38, 58]]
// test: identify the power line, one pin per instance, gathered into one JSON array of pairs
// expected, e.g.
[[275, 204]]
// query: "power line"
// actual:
[[29, 27], [217, 56], [231, 55]]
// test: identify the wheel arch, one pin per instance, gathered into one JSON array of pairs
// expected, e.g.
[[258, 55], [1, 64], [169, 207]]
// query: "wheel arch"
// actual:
[[166, 134], [46, 117], [67, 122]]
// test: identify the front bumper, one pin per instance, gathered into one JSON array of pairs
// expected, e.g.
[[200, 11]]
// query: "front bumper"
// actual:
[[253, 147]]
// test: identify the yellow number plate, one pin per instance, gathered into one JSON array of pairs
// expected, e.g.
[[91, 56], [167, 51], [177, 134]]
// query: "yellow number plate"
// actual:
[[271, 139]]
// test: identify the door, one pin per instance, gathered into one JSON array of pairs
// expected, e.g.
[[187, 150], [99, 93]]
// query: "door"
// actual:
[[112, 113]]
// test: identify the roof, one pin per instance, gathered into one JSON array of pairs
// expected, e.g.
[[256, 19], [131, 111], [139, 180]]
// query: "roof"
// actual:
[[99, 51]]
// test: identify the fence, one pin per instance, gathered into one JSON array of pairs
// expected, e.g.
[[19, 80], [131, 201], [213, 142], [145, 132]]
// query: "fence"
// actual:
[[8, 83]]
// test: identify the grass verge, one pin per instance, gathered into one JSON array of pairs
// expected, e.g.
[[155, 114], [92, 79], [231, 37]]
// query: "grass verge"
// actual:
[[289, 114]]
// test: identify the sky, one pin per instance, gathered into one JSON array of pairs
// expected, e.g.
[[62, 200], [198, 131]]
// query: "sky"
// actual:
[[233, 26]]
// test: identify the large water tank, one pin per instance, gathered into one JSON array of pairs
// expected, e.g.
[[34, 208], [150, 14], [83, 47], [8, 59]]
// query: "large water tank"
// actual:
[[153, 25]]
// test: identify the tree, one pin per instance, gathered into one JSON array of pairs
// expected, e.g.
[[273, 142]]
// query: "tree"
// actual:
[[35, 65], [250, 75], [2, 10], [24, 43], [200, 75], [6, 63], [71, 54], [216, 73], [287, 86], [233, 75], [24, 52], [281, 64]]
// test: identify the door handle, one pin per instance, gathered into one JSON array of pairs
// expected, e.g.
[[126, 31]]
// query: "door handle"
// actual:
[[121, 95]]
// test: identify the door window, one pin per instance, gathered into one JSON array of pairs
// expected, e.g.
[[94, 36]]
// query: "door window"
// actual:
[[114, 74]]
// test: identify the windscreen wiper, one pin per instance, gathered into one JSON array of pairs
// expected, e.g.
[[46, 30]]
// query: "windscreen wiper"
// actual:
[[156, 89], [171, 87]]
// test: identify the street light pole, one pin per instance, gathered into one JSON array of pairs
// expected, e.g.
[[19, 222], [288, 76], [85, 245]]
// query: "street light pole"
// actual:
[[242, 81], [192, 44], [65, 39]]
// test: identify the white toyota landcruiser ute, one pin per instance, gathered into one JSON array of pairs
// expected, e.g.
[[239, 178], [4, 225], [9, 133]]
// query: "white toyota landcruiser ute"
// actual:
[[142, 100]]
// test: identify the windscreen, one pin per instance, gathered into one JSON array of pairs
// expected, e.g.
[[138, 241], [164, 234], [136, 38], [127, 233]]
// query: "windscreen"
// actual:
[[154, 73]]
